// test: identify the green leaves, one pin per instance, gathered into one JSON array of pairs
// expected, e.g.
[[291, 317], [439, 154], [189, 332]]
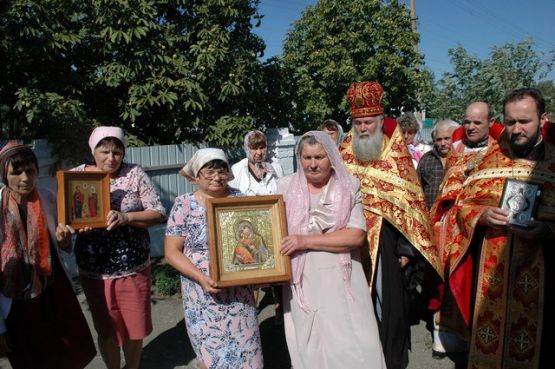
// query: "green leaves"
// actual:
[[337, 42], [509, 66], [167, 71], [229, 131]]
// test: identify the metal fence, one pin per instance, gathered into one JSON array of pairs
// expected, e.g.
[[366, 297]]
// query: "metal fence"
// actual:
[[162, 164]]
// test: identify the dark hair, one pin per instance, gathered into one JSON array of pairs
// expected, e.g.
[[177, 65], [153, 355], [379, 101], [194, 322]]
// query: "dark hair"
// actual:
[[23, 159], [330, 125], [522, 93], [111, 141], [215, 164]]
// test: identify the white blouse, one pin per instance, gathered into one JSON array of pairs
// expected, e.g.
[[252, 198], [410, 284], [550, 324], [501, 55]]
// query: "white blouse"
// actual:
[[245, 182]]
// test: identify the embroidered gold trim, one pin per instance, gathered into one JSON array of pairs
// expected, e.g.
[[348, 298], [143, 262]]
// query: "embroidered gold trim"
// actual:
[[510, 172], [394, 199], [386, 177]]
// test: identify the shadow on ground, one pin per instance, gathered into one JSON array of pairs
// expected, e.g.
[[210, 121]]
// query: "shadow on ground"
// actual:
[[170, 349]]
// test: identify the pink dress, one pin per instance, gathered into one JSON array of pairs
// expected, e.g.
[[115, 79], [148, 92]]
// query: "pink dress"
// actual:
[[339, 329]]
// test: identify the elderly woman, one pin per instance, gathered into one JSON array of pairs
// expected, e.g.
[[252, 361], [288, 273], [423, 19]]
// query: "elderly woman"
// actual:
[[328, 313], [410, 127], [221, 323], [254, 175], [41, 322], [114, 263]]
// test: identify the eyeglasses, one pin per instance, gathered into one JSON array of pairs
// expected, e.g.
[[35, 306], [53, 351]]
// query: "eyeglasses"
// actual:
[[212, 174]]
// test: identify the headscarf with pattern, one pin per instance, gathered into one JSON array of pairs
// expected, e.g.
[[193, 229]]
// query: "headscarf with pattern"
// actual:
[[25, 246]]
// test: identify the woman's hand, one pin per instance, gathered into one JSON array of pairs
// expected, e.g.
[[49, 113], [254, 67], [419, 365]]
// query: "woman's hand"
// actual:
[[292, 244], [208, 284], [116, 219], [64, 233]]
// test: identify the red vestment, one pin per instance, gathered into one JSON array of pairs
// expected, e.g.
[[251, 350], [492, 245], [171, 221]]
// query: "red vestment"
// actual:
[[391, 190], [507, 314]]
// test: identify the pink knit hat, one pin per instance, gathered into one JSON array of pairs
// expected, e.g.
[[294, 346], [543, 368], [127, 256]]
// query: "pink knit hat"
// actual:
[[104, 131]]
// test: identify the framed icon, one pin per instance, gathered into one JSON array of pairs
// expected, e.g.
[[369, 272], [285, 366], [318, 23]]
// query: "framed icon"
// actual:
[[83, 198], [521, 199], [244, 238]]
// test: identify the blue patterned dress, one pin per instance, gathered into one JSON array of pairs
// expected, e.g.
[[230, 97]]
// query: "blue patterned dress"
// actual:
[[223, 327]]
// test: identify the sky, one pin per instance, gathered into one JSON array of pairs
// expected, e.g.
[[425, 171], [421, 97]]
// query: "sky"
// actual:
[[477, 25]]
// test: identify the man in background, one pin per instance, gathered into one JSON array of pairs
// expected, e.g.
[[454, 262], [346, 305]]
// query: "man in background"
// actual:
[[431, 167]]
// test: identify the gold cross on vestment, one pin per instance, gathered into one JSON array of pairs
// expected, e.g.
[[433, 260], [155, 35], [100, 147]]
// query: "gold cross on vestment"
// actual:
[[526, 283], [487, 334]]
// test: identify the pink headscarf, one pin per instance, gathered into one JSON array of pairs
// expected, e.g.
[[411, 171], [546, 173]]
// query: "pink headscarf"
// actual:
[[102, 132], [415, 153], [297, 199]]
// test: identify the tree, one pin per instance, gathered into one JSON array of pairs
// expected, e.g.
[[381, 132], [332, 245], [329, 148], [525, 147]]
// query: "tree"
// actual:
[[166, 71], [548, 90], [508, 67], [337, 42]]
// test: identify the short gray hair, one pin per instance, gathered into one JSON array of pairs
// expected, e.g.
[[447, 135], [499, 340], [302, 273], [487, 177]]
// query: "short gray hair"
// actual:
[[442, 123], [309, 140]]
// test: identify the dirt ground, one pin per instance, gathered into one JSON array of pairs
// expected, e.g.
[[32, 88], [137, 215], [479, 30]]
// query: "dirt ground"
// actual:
[[168, 346]]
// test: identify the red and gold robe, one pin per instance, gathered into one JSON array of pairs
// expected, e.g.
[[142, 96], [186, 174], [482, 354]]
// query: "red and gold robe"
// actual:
[[457, 166], [508, 310], [391, 190]]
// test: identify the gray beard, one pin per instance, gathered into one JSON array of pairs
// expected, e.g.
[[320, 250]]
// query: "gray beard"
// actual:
[[370, 148]]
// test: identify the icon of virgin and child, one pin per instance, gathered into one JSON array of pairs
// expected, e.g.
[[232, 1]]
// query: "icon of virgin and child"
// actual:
[[250, 247]]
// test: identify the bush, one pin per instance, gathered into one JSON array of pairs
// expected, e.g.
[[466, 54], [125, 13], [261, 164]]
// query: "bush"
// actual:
[[165, 279]]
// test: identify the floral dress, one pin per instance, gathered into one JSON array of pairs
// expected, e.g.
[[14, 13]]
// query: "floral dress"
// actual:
[[125, 250], [223, 327]]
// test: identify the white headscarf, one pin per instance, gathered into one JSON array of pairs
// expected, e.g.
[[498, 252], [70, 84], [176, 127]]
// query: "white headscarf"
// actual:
[[200, 158], [102, 132]]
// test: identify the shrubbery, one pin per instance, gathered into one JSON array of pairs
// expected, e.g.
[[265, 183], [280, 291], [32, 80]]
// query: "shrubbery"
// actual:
[[165, 279]]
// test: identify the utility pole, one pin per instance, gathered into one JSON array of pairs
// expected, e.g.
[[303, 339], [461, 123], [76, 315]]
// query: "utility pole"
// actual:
[[413, 19], [421, 114]]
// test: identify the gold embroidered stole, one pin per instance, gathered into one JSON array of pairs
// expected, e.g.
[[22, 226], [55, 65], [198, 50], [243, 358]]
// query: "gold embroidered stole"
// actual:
[[391, 190], [508, 310], [458, 165]]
